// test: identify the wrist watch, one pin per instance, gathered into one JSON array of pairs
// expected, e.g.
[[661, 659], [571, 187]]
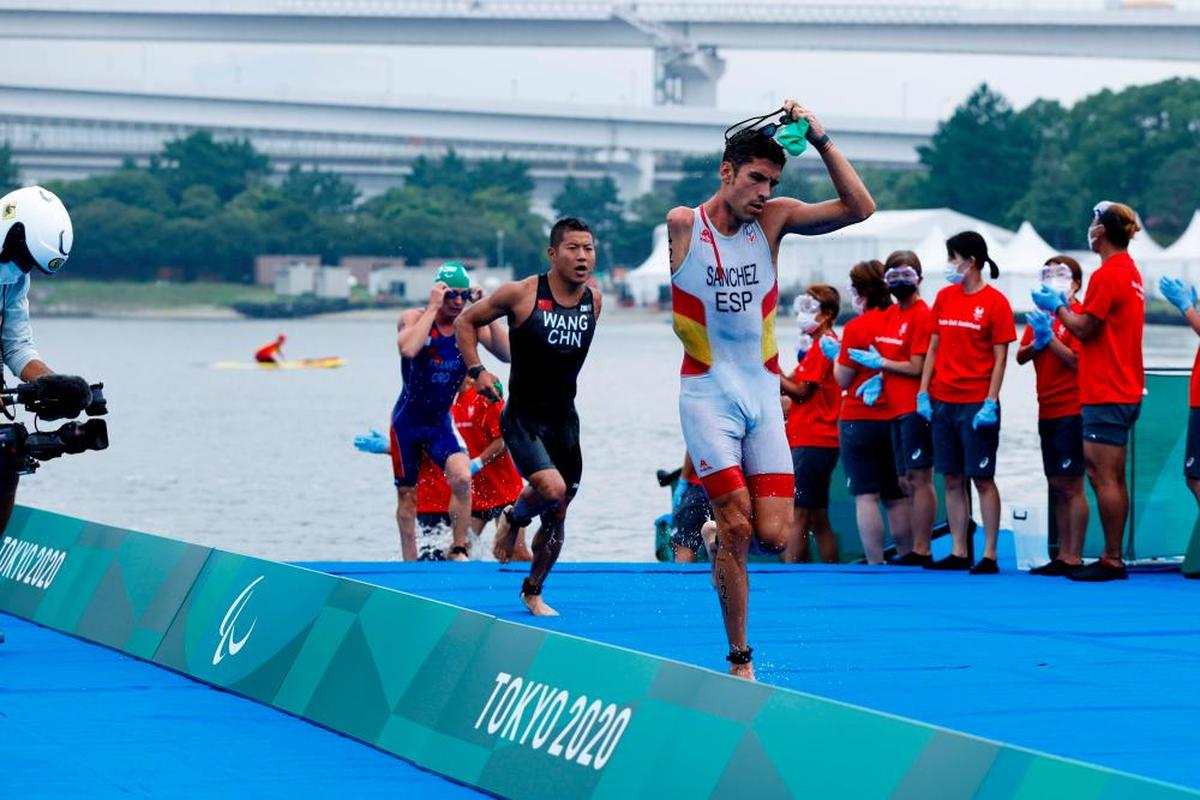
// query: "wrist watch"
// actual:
[[475, 371]]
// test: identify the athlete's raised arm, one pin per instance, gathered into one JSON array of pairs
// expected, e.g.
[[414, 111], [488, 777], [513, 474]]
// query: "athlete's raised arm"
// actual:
[[413, 328], [854, 203], [500, 303]]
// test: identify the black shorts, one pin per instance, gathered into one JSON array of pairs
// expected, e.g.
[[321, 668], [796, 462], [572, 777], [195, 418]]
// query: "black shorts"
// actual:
[[689, 518], [912, 443], [1191, 456], [1062, 446], [813, 468], [960, 449], [866, 448], [537, 445], [1109, 423]]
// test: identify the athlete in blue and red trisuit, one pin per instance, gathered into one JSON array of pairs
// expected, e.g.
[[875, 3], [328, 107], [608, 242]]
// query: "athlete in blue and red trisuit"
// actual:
[[433, 369]]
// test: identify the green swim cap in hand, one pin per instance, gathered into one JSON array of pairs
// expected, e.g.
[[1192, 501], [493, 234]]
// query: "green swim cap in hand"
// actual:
[[454, 275], [793, 137]]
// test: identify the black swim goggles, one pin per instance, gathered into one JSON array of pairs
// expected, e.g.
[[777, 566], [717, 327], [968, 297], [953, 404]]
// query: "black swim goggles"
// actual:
[[768, 124]]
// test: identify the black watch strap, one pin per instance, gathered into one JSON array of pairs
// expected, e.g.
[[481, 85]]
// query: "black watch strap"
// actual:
[[475, 371]]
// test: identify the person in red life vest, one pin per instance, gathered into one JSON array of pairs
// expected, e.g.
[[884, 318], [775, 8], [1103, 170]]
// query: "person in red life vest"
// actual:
[[964, 369], [1111, 376], [865, 433], [1183, 296], [899, 350], [812, 400], [271, 353], [690, 510], [1055, 356], [495, 482]]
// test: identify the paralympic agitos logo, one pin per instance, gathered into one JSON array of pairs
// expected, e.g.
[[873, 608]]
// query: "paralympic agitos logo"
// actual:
[[231, 642]]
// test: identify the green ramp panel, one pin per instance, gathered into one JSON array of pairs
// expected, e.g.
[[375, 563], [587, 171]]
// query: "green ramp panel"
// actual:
[[513, 710]]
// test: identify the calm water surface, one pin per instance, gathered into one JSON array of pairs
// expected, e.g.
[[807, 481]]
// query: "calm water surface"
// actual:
[[261, 462]]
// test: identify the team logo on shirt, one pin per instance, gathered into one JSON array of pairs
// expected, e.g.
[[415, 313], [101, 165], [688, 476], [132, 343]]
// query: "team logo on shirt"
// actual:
[[545, 304], [978, 313], [751, 236], [903, 328], [1066, 464]]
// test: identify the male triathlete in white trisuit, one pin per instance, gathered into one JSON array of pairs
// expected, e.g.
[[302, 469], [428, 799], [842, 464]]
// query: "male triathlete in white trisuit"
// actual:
[[723, 296]]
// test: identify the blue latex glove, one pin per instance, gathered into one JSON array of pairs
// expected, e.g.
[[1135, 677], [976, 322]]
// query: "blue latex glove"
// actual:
[[1047, 299], [476, 465], [924, 407], [1043, 330], [868, 391], [831, 347], [987, 416], [1178, 293], [677, 495], [373, 442], [869, 358]]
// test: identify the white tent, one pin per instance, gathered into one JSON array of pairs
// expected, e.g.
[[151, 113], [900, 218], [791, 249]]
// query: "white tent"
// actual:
[[1181, 259], [1021, 266], [931, 251], [646, 283]]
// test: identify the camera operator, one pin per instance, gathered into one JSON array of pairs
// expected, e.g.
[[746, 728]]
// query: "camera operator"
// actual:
[[37, 233]]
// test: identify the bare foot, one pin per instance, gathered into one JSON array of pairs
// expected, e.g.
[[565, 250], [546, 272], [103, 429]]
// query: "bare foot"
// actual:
[[459, 556], [505, 538], [537, 606], [522, 552], [743, 671]]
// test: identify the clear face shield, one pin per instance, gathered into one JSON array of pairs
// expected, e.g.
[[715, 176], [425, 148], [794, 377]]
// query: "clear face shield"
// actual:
[[807, 308], [1057, 277]]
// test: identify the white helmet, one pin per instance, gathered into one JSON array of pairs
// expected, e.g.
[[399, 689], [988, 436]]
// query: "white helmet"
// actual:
[[36, 230]]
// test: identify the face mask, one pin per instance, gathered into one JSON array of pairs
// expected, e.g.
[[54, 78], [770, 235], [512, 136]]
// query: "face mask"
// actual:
[[903, 291], [860, 304], [807, 320], [1060, 285], [953, 276]]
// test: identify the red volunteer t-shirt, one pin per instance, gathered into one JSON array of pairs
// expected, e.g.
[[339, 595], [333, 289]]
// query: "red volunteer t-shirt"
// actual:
[[813, 423], [1110, 363], [968, 326], [433, 492], [477, 420], [906, 333], [860, 333], [1057, 384], [1194, 395]]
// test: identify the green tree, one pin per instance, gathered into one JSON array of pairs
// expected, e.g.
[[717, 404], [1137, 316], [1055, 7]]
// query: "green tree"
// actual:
[[10, 173], [229, 167], [979, 159], [699, 180], [322, 192], [598, 204], [509, 176], [1174, 194], [635, 240]]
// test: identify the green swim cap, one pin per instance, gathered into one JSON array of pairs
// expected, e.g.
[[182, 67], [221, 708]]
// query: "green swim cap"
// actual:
[[793, 137], [454, 275]]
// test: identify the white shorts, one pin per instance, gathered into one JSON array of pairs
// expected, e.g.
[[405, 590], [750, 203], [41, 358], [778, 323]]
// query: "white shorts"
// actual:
[[736, 437]]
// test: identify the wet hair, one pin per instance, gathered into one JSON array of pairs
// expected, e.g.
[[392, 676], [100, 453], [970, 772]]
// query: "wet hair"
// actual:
[[564, 225], [828, 297], [1120, 224], [867, 279], [745, 146], [1069, 263], [970, 244], [903, 258]]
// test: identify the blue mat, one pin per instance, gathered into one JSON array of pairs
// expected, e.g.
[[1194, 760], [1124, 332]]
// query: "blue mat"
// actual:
[[1105, 673], [79, 720]]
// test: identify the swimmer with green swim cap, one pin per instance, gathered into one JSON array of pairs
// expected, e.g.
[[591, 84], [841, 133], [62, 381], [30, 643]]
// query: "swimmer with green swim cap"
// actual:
[[433, 369]]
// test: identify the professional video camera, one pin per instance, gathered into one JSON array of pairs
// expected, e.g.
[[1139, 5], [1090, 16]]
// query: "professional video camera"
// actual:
[[49, 398]]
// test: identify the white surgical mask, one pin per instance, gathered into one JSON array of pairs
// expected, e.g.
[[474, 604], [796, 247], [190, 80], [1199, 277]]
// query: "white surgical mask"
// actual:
[[807, 321], [953, 276], [1060, 285]]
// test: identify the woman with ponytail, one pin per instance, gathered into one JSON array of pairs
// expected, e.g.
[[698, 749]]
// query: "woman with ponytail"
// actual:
[[864, 431], [1111, 376], [960, 393]]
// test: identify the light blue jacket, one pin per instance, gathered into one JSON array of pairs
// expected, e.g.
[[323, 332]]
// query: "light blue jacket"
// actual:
[[16, 334]]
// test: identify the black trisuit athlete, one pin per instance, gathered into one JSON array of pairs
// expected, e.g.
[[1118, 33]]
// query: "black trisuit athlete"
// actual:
[[539, 424]]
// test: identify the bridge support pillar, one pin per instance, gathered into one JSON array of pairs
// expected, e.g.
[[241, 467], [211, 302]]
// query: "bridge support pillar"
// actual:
[[646, 165], [687, 78]]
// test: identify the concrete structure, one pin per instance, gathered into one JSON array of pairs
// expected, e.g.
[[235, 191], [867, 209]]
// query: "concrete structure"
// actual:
[[686, 37], [332, 283], [266, 267], [295, 280]]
